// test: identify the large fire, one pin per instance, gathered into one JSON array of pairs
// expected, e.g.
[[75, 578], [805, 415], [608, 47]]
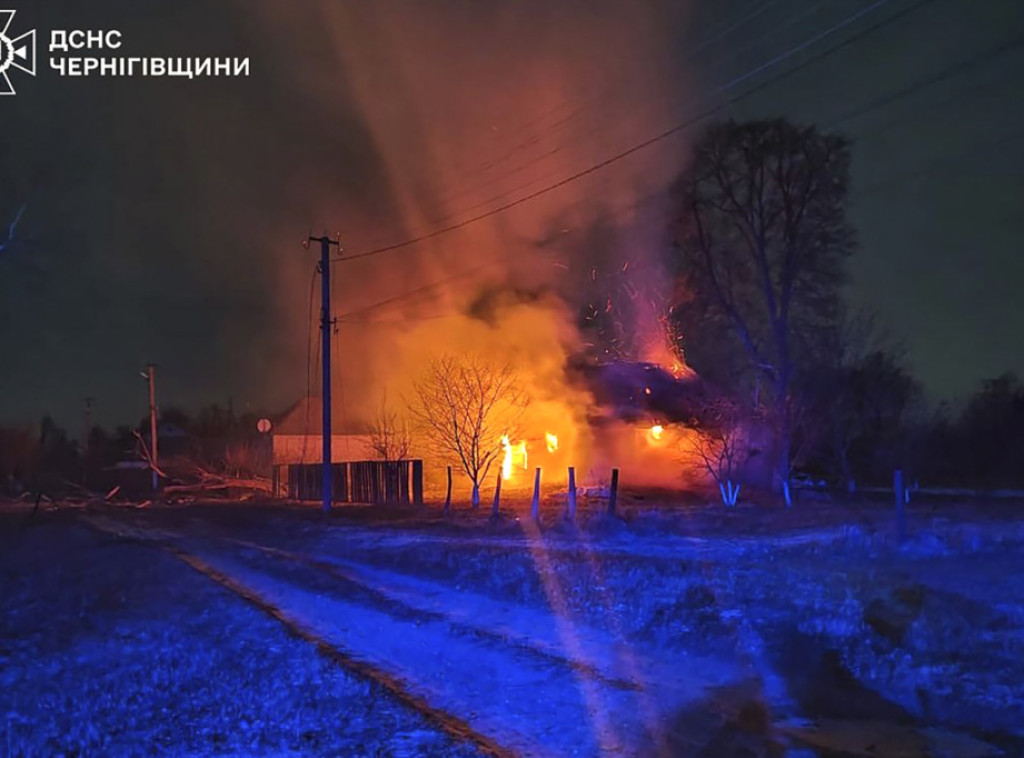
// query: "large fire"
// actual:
[[566, 423], [443, 152]]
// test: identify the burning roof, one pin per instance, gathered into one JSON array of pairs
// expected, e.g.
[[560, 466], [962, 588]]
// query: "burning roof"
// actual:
[[637, 391]]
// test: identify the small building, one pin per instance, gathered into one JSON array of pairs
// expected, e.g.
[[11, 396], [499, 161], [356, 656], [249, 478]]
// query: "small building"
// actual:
[[297, 436], [358, 473]]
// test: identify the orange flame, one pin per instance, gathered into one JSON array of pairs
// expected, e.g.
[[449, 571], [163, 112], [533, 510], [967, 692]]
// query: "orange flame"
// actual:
[[657, 431], [506, 463], [552, 440], [514, 455]]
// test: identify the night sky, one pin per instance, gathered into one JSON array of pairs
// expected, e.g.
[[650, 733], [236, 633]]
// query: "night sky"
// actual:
[[164, 216]]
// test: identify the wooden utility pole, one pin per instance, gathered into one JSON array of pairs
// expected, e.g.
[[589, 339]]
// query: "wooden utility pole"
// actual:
[[326, 325]]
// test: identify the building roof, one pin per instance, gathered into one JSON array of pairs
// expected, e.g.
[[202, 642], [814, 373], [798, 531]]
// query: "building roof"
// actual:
[[305, 418]]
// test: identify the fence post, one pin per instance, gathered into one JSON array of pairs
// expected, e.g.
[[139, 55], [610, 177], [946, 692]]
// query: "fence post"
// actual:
[[613, 493], [535, 503], [448, 497], [417, 483], [901, 496], [497, 498], [572, 494]]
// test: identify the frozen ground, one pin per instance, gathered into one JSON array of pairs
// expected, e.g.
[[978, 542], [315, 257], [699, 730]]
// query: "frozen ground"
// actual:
[[702, 632], [109, 648]]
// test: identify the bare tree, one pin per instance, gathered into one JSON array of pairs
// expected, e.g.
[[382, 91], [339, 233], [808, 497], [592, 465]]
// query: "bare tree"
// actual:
[[761, 249], [719, 447], [465, 406], [389, 435]]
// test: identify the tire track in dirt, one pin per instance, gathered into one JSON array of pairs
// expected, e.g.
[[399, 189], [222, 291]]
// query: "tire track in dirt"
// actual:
[[531, 699], [387, 598], [449, 723], [535, 701]]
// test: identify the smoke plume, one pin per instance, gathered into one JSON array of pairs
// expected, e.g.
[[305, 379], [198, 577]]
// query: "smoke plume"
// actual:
[[455, 109]]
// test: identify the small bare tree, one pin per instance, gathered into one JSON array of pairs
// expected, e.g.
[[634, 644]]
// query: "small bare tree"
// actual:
[[719, 446], [465, 406], [389, 435]]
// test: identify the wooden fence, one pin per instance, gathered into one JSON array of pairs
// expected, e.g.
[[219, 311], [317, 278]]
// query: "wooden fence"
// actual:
[[374, 482]]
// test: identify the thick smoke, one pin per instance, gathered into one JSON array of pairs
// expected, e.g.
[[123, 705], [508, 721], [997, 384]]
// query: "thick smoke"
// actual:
[[459, 109]]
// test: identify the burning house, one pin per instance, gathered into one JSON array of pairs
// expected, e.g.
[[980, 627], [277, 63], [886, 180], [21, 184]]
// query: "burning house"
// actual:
[[638, 417]]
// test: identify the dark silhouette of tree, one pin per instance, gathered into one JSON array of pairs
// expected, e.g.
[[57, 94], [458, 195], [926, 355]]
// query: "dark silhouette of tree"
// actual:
[[856, 403], [760, 249], [992, 446], [865, 414]]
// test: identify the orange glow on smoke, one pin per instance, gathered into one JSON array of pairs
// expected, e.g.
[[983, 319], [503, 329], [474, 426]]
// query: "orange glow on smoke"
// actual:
[[443, 149]]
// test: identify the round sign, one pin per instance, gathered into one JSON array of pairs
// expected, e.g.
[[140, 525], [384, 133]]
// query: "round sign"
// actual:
[[264, 425]]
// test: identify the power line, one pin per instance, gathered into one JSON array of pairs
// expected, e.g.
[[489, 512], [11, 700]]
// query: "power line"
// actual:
[[547, 130], [930, 166], [536, 138], [945, 74], [418, 291], [671, 131], [862, 135], [352, 317], [719, 90], [874, 189]]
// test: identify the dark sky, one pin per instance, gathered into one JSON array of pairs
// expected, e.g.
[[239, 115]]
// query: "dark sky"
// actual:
[[163, 216]]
